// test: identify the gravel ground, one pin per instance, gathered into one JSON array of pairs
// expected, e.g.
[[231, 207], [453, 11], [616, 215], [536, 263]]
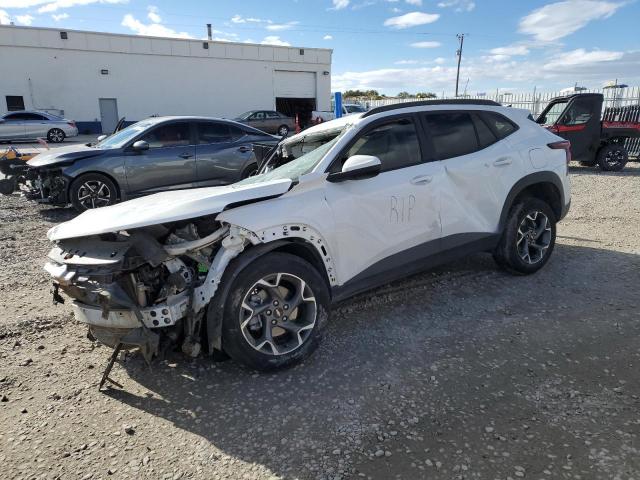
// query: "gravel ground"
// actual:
[[463, 372]]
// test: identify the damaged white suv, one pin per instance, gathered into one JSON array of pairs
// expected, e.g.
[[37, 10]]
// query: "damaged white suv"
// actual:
[[251, 269]]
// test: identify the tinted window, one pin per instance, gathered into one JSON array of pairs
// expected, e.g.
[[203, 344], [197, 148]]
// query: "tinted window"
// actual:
[[273, 115], [257, 116], [500, 124], [485, 135], [452, 133], [394, 143], [171, 135], [579, 112], [212, 132], [236, 132], [13, 117], [33, 116]]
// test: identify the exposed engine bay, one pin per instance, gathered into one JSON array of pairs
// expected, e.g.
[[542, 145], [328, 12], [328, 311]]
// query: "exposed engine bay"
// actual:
[[137, 288]]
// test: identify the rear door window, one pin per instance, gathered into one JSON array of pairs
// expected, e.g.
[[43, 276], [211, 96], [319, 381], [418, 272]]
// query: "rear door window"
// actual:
[[213, 132], [452, 133], [486, 136]]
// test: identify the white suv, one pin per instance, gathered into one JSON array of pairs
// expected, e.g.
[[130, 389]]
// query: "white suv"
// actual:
[[251, 269]]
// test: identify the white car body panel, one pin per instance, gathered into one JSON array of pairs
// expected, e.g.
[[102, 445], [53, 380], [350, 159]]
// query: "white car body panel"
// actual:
[[162, 208]]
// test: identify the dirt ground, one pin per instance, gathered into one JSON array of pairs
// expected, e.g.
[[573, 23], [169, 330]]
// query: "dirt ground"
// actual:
[[463, 372]]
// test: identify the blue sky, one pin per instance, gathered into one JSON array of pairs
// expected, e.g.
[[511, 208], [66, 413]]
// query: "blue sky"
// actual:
[[393, 45]]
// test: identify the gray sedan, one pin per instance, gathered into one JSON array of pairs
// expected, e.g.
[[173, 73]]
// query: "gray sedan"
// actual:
[[26, 125], [268, 121]]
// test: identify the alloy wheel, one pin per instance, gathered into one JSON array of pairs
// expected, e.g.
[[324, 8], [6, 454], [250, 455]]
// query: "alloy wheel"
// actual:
[[283, 131], [56, 135], [533, 237], [94, 194], [614, 157], [278, 314]]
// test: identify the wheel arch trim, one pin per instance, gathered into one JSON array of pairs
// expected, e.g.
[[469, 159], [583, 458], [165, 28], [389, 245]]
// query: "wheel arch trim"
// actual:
[[536, 178]]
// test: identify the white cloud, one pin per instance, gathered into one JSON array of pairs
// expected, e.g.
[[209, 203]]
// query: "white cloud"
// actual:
[[417, 3], [580, 57], [153, 14], [339, 4], [151, 29], [426, 44], [24, 19], [510, 50], [21, 3], [59, 16], [557, 20], [274, 40], [327, 37], [240, 19], [411, 19], [406, 62], [5, 19], [277, 27], [53, 6], [458, 5]]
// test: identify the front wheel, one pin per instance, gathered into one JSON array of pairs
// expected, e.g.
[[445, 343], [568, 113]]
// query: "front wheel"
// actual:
[[92, 190], [56, 135], [613, 157], [283, 130], [528, 237], [275, 313]]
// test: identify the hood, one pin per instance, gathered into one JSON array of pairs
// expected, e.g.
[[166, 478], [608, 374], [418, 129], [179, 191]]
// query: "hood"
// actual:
[[164, 207], [67, 154]]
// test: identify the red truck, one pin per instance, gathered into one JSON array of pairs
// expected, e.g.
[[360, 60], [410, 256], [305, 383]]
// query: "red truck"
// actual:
[[596, 137]]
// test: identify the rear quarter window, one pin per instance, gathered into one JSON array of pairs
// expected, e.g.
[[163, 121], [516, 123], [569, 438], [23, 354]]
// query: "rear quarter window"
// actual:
[[501, 126]]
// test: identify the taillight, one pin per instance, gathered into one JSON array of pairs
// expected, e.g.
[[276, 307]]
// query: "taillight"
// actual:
[[72, 124], [564, 145]]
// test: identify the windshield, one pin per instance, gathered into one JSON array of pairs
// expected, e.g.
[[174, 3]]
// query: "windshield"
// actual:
[[311, 148], [120, 139], [550, 116], [354, 109], [244, 116]]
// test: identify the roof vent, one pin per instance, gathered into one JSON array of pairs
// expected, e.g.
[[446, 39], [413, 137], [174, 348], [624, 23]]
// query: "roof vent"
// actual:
[[63, 35]]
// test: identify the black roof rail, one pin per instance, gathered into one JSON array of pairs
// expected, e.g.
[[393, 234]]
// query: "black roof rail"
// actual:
[[426, 103]]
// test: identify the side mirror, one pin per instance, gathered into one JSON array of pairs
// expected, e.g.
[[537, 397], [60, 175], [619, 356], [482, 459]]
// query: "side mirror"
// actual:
[[140, 146], [101, 137], [357, 167], [541, 120]]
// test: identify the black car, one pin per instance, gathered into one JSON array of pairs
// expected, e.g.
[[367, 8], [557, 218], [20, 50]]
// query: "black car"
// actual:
[[153, 155]]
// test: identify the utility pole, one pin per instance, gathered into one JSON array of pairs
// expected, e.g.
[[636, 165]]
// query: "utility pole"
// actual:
[[460, 37]]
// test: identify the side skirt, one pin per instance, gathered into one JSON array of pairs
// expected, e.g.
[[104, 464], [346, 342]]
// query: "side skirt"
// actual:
[[415, 260]]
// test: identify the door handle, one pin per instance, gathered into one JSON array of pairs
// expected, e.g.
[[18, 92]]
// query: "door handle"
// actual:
[[245, 149], [421, 180], [502, 161], [185, 155]]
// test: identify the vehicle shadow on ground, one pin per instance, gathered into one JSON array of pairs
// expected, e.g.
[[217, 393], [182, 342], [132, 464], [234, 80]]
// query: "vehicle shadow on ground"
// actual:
[[630, 170], [379, 346], [58, 214]]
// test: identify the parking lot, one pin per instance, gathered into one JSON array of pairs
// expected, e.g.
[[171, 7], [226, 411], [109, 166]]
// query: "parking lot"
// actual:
[[462, 372]]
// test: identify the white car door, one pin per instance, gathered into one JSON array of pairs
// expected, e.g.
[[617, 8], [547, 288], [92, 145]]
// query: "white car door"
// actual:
[[390, 219], [477, 170]]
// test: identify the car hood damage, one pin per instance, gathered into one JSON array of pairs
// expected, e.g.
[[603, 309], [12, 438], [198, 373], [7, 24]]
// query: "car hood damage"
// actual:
[[165, 207], [64, 155]]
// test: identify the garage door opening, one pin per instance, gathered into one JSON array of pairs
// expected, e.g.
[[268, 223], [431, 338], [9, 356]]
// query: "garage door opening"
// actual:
[[297, 106]]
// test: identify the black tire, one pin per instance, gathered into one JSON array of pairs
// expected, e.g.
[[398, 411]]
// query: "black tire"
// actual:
[[249, 171], [518, 228], [612, 157], [83, 185], [283, 130], [56, 135], [247, 345]]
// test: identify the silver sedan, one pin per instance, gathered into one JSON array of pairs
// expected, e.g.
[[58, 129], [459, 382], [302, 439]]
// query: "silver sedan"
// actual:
[[29, 125]]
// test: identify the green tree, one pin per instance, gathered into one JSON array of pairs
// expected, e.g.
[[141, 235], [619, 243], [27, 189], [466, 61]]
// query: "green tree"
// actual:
[[403, 95], [425, 95]]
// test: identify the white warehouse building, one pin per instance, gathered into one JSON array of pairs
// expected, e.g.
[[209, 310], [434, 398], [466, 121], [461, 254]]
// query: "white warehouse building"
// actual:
[[97, 78]]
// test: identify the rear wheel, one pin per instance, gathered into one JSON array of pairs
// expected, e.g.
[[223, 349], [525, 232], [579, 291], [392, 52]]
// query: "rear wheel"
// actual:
[[92, 190], [528, 237], [55, 135], [613, 157], [275, 313]]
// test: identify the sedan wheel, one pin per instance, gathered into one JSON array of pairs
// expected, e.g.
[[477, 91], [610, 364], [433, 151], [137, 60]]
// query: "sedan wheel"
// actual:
[[55, 135], [94, 194], [283, 130]]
